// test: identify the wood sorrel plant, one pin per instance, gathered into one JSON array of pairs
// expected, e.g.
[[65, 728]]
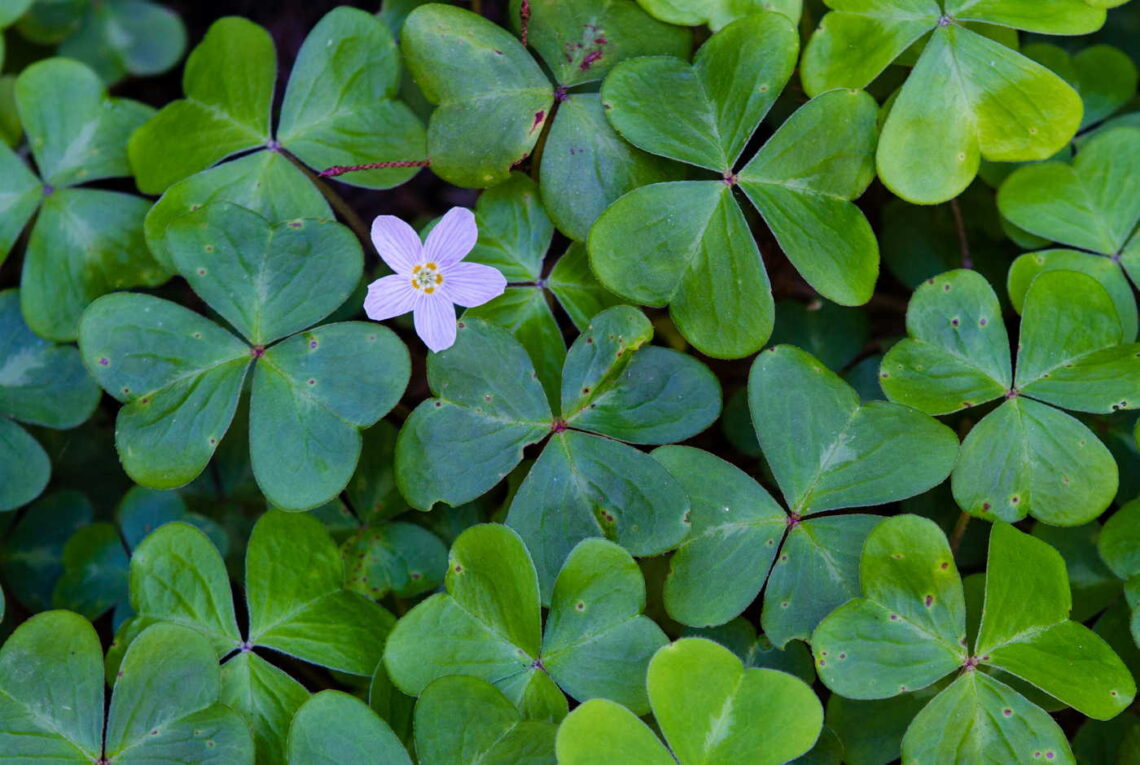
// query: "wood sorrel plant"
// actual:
[[682, 477]]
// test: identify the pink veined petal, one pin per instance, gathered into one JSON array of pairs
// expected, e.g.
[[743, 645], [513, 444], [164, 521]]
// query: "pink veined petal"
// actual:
[[435, 322], [472, 284], [390, 296], [397, 242], [452, 238]]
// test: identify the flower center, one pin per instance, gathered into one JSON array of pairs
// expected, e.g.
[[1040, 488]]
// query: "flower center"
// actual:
[[426, 277]]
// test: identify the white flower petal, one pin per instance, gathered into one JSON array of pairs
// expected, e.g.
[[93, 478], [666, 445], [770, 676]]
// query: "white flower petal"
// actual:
[[390, 296], [397, 242], [472, 284], [435, 322], [452, 238]]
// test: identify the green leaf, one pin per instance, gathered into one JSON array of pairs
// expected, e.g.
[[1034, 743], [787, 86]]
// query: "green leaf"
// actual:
[[586, 166], [736, 526], [333, 727], [1119, 542], [816, 571], [978, 719], [86, 243], [971, 97], [1030, 265], [359, 119], [127, 37], [200, 377], [372, 491], [848, 454], [264, 182], [909, 629], [479, 75], [24, 466], [1094, 586], [957, 354], [51, 690], [457, 446], [1028, 458], [576, 288], [165, 704], [267, 280], [492, 611], [178, 576], [704, 114], [1044, 16], [716, 13], [687, 244], [12, 10], [267, 698], [597, 643], [1085, 204], [771, 717], [1104, 76], [76, 133], [872, 731], [588, 486], [802, 182], [833, 334], [21, 193], [40, 383], [514, 229], [228, 81], [303, 610], [581, 40], [1025, 629], [1069, 354], [601, 731], [31, 555], [465, 719], [95, 572], [401, 558]]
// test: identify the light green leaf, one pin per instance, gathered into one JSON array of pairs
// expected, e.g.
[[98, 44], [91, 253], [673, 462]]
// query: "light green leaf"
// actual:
[[1061, 17], [1089, 203], [340, 107], [479, 75], [334, 728], [704, 114], [40, 383], [514, 229], [577, 289], [816, 571], [492, 614], [599, 358], [978, 719], [736, 525], [267, 280], [86, 243], [297, 601], [1032, 264], [178, 576], [267, 698], [957, 354], [967, 98], [51, 690], [716, 13], [200, 374], [76, 133], [228, 81], [804, 195], [580, 40], [1069, 354], [600, 732], [462, 719], [264, 182], [909, 629], [164, 708], [597, 643], [1029, 458], [687, 244], [586, 166], [588, 486], [457, 446], [848, 454], [712, 709]]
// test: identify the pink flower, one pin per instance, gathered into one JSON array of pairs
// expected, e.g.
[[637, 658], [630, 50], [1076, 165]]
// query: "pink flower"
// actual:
[[430, 276]]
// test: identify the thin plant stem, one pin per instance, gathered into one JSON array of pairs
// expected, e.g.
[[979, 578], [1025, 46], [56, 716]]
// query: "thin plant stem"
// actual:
[[963, 242]]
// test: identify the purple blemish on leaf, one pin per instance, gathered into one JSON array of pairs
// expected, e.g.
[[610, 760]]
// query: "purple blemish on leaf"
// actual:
[[1007, 712], [590, 59], [312, 343], [894, 617], [539, 116], [104, 362], [928, 601]]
